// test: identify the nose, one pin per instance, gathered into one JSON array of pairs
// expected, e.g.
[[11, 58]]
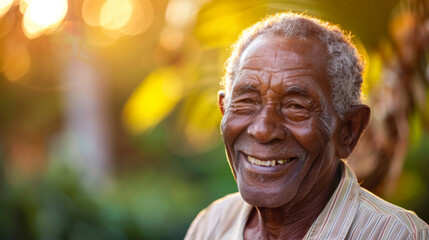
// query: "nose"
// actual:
[[266, 127]]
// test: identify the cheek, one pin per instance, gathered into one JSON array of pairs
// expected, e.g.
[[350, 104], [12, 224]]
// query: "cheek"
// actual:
[[232, 126], [312, 135]]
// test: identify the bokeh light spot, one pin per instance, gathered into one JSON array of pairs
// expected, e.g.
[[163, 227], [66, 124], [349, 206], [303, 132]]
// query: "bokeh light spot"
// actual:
[[179, 13], [115, 14], [140, 19], [42, 15], [91, 11], [23, 4], [5, 6], [171, 39]]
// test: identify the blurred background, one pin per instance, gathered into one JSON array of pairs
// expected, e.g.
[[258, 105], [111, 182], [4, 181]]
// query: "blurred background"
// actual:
[[109, 127]]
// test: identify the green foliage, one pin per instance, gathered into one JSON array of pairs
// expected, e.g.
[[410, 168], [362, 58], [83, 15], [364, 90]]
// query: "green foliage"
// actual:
[[153, 203], [412, 190]]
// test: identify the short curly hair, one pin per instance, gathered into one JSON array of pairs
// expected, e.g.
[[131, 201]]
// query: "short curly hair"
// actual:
[[344, 67]]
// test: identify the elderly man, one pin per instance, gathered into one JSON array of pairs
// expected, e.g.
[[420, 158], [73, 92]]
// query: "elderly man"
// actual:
[[291, 112]]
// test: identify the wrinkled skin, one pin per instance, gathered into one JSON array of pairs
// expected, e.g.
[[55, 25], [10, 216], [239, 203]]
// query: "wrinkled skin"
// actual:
[[280, 109]]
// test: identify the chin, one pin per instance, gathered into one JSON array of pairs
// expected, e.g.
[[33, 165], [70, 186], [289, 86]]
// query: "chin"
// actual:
[[264, 198]]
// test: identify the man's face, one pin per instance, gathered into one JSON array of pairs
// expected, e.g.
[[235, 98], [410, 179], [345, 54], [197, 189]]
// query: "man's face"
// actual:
[[279, 123]]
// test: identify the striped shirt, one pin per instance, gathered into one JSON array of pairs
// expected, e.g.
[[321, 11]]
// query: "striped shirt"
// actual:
[[351, 213]]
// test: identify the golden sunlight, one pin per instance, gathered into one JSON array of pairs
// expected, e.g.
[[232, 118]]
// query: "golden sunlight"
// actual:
[[171, 39], [153, 100], [43, 16], [100, 37], [201, 126], [16, 62], [6, 25], [129, 17], [140, 19], [115, 14], [23, 4], [180, 12], [91, 11], [5, 6]]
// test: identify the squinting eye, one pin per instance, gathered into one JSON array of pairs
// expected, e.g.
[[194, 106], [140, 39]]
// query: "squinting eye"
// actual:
[[245, 106], [247, 100], [296, 106], [296, 112]]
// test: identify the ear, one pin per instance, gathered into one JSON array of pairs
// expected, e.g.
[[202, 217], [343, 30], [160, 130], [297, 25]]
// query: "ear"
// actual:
[[220, 101], [351, 128]]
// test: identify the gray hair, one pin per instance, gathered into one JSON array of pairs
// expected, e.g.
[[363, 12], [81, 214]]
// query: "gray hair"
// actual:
[[344, 68]]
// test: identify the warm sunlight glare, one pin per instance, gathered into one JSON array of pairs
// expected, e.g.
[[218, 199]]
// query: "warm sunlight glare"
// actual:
[[140, 19], [99, 37], [91, 11], [180, 12], [115, 14], [16, 62], [171, 39], [42, 15], [129, 17], [153, 100], [6, 25], [23, 4], [5, 6]]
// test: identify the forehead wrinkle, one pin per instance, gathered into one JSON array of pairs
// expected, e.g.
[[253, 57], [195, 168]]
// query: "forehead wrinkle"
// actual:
[[265, 77], [249, 60], [277, 70], [258, 63], [294, 72], [287, 70]]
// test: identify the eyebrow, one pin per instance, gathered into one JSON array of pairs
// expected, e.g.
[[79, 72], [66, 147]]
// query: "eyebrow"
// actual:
[[245, 88], [297, 90]]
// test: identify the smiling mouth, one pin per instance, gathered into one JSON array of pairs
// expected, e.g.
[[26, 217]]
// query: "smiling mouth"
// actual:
[[268, 163]]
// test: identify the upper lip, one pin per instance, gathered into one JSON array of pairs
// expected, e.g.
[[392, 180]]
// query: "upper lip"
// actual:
[[268, 158]]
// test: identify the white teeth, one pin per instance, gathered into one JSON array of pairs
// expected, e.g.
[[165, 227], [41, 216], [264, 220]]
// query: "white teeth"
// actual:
[[266, 163]]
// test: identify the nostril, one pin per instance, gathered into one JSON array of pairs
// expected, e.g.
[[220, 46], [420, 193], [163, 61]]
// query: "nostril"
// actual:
[[273, 142]]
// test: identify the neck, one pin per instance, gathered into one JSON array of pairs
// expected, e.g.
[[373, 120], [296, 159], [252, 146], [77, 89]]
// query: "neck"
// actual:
[[292, 221]]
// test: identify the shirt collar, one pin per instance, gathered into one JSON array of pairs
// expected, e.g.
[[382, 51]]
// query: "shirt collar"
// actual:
[[337, 216]]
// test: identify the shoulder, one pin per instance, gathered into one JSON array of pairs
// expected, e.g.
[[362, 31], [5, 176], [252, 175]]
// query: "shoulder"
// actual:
[[220, 217], [379, 219]]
